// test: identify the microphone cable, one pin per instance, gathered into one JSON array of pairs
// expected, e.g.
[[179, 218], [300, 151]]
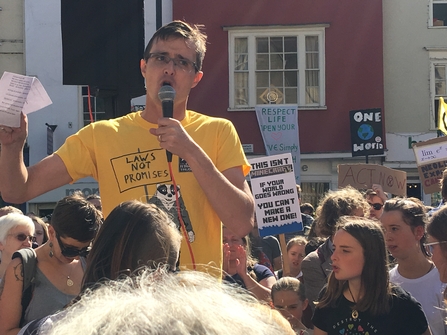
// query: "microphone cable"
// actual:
[[179, 215]]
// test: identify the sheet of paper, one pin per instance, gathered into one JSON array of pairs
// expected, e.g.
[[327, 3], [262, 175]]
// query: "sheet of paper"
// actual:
[[19, 93]]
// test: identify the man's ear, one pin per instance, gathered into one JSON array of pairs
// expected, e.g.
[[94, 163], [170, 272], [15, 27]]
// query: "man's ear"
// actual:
[[143, 67], [305, 303], [198, 77]]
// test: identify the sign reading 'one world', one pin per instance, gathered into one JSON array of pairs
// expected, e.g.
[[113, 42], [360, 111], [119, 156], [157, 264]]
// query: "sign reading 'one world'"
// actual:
[[366, 132]]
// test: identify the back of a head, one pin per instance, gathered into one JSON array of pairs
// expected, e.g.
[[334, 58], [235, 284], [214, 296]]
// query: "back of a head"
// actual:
[[437, 227], [9, 209], [443, 183], [77, 218], [160, 303], [291, 284], [336, 204], [135, 234]]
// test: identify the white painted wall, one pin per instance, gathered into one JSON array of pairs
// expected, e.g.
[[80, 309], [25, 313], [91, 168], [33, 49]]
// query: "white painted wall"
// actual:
[[406, 64], [11, 37]]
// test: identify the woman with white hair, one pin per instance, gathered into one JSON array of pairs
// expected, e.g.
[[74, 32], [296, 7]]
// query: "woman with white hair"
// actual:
[[16, 232]]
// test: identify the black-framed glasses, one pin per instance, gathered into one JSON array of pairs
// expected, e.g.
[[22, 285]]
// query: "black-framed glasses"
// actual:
[[22, 237], [376, 206], [71, 252], [184, 64], [429, 247]]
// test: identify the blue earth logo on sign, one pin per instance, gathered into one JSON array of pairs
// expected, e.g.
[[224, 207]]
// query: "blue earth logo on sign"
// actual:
[[365, 132]]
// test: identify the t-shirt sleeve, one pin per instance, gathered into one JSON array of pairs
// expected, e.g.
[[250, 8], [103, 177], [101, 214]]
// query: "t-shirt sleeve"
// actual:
[[262, 272], [408, 311], [230, 152], [78, 155]]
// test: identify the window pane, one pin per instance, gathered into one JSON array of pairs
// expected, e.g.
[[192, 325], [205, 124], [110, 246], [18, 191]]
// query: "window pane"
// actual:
[[276, 79], [312, 87], [241, 45], [262, 62], [241, 54], [312, 43], [311, 60], [440, 72], [440, 14], [290, 44], [276, 62], [312, 78], [440, 80], [291, 96], [259, 92], [241, 88], [262, 45], [276, 44], [291, 61], [262, 79], [440, 89], [291, 79], [240, 62]]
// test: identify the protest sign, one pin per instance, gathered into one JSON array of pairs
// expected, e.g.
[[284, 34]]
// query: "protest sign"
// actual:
[[362, 176], [276, 199], [366, 132], [431, 159], [279, 130]]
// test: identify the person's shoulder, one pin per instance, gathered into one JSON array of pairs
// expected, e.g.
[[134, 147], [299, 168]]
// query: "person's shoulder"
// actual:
[[399, 294], [115, 122], [259, 268], [194, 116], [310, 257]]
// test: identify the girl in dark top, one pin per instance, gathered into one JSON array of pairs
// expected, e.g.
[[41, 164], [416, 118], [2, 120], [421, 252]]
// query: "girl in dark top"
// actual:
[[358, 298], [240, 268]]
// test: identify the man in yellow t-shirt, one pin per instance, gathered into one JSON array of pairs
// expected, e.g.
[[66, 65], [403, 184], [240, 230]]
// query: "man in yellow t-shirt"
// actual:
[[127, 155]]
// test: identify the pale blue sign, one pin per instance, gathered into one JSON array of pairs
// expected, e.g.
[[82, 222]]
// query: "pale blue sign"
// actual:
[[279, 130]]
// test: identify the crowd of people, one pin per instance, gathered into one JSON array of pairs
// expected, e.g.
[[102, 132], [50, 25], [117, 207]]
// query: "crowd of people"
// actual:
[[121, 263]]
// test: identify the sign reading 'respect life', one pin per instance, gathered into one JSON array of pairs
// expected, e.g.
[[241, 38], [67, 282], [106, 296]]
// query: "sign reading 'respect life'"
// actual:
[[276, 199]]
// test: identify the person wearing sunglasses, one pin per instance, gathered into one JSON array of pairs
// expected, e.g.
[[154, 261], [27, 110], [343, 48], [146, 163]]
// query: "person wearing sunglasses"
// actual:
[[16, 232], [60, 265], [134, 235], [404, 221], [376, 199], [436, 245]]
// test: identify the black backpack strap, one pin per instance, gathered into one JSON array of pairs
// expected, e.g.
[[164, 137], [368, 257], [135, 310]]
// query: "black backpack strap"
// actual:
[[29, 264]]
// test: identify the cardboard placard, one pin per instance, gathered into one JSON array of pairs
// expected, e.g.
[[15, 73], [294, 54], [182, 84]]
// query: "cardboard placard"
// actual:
[[431, 159], [362, 176]]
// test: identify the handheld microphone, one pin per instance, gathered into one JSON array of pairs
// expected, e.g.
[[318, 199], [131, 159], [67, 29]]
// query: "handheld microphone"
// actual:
[[167, 94]]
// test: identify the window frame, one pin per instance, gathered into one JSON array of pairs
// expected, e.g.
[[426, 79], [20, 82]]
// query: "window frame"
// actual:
[[437, 56], [251, 33], [431, 14]]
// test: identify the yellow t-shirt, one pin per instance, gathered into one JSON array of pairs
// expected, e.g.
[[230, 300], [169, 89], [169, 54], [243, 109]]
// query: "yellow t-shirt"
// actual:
[[128, 164]]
